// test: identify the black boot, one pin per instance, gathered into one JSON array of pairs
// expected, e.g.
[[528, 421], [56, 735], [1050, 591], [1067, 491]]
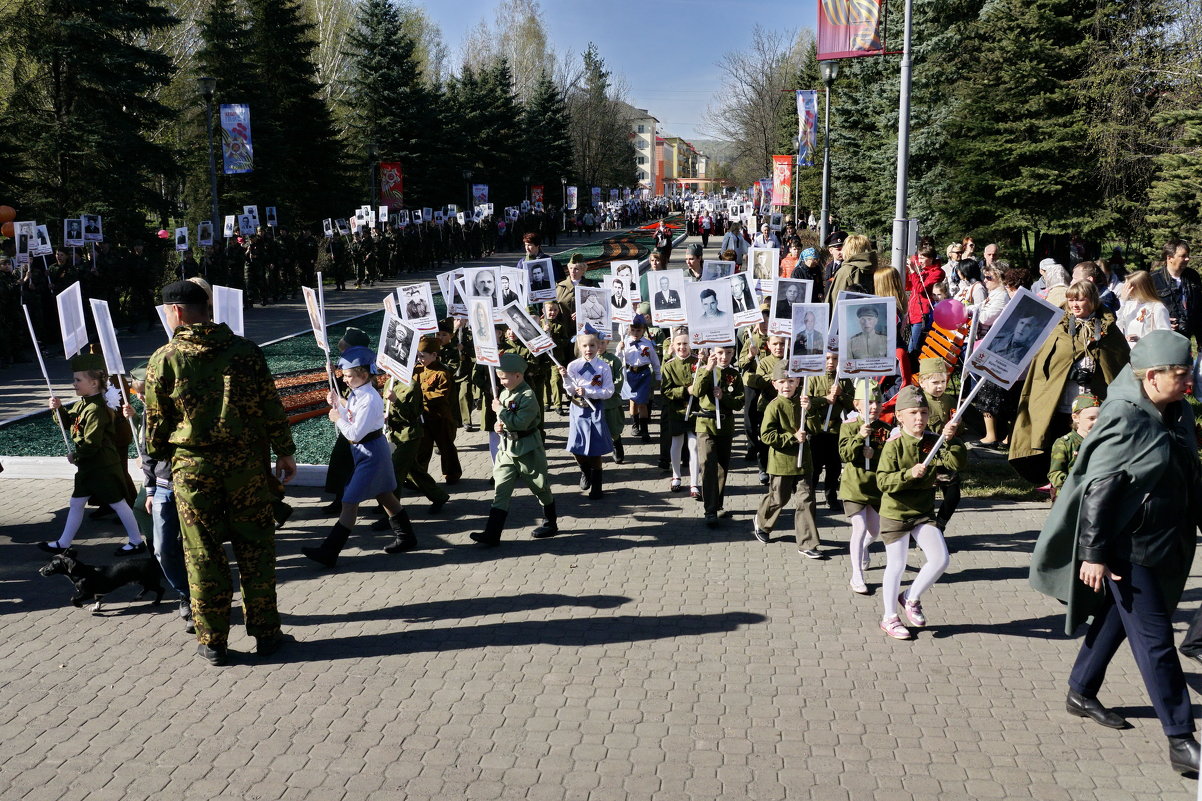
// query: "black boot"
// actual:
[[327, 553], [491, 535], [619, 452], [586, 478], [1183, 753], [595, 483], [405, 540], [646, 430], [549, 528]]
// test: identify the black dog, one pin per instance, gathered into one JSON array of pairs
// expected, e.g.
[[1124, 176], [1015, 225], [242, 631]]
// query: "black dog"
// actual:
[[96, 582]]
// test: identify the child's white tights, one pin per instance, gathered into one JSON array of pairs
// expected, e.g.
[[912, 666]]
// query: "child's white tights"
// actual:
[[75, 519], [494, 442], [676, 446], [930, 539], [865, 524]]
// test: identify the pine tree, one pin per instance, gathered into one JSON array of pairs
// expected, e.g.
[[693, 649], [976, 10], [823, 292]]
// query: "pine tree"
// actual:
[[1175, 197], [547, 149]]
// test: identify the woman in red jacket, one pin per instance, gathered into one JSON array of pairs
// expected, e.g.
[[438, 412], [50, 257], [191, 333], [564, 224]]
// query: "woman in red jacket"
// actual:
[[920, 277]]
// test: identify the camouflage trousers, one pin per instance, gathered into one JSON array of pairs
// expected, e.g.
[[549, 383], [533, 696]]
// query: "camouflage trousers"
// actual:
[[233, 506]]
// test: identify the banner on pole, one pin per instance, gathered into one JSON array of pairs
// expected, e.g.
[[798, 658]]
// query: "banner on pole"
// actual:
[[596, 196], [807, 126], [782, 180], [479, 194], [849, 28], [391, 185], [237, 152], [571, 198], [536, 193]]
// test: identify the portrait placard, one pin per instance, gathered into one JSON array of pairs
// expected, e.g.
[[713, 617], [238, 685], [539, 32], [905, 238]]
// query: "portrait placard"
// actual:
[[540, 277], [246, 225], [710, 317], [343, 226], [73, 232], [743, 301], [593, 308], [204, 233], [402, 217], [181, 239], [71, 323], [484, 282], [807, 350], [382, 214], [525, 328], [621, 306], [227, 308], [832, 334], [390, 304], [484, 335], [712, 270], [416, 305], [452, 296], [439, 218], [427, 214], [628, 272], [253, 213], [1015, 338], [316, 318], [327, 227], [93, 228], [398, 348], [42, 246], [227, 229], [272, 220], [513, 286], [108, 337], [774, 221], [867, 337], [418, 216], [764, 264], [786, 292], [462, 218], [667, 298], [25, 234]]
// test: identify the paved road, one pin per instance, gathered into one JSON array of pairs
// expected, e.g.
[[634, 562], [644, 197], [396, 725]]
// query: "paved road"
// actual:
[[637, 656]]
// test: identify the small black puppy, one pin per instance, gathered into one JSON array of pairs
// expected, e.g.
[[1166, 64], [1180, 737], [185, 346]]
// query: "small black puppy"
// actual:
[[96, 582]]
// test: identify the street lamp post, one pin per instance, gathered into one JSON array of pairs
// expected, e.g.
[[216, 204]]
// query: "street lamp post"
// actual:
[[373, 150], [207, 87], [830, 71], [900, 223], [526, 181], [467, 180]]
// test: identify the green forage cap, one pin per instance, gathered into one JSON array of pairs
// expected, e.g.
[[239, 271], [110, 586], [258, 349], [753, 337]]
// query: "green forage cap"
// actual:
[[138, 373], [911, 397], [355, 337], [512, 363], [780, 371], [87, 361], [932, 366], [1159, 349]]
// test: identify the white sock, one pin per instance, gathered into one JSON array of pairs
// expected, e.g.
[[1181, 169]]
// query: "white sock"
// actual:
[[895, 565], [864, 525], [674, 449], [126, 516], [930, 539], [74, 519], [693, 465]]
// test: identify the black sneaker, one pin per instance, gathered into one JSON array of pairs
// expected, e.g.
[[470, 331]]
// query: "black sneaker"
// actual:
[[128, 550], [266, 646], [214, 656]]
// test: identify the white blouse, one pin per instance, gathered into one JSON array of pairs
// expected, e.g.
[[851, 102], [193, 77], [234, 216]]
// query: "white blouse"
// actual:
[[363, 414], [595, 377]]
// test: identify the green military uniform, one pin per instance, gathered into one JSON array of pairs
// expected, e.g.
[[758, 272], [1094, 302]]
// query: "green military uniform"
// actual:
[[857, 485], [561, 334], [1064, 454], [907, 501], [714, 440], [614, 405], [210, 401], [676, 376], [405, 433], [941, 410], [782, 419], [520, 454], [99, 465]]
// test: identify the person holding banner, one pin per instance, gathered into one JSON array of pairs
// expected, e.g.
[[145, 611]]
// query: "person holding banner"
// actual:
[[718, 389], [565, 290], [99, 466], [908, 508], [588, 377], [406, 429], [438, 394], [831, 399], [642, 369], [677, 387], [861, 437]]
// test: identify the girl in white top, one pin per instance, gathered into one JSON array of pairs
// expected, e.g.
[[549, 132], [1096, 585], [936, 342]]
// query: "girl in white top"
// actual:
[[638, 354], [1142, 310], [588, 378]]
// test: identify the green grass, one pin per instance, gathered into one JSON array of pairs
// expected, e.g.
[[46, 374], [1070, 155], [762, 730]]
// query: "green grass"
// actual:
[[991, 476]]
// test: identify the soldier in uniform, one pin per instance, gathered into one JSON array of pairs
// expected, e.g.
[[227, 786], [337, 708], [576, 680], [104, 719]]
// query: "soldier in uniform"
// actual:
[[210, 403], [869, 343], [520, 453]]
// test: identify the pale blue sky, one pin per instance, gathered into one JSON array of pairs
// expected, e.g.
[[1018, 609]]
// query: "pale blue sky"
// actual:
[[667, 50]]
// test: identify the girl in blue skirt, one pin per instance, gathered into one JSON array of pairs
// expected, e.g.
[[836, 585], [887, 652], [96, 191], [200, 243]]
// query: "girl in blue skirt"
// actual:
[[588, 378], [361, 420], [637, 353]]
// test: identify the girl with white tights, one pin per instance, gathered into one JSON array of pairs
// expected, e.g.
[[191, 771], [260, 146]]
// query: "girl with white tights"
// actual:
[[100, 468], [676, 383], [860, 439], [908, 508]]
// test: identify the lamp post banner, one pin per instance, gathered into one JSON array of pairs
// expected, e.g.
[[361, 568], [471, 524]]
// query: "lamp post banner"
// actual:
[[392, 185], [782, 180], [807, 126], [849, 28], [237, 152], [479, 194], [571, 198], [536, 193]]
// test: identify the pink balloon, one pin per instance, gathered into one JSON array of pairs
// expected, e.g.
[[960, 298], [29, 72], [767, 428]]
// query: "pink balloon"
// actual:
[[164, 233], [950, 314]]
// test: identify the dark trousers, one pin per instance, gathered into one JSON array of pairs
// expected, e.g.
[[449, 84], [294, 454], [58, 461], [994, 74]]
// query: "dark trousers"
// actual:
[[951, 497], [1192, 644], [825, 453], [713, 451], [1135, 610], [442, 434]]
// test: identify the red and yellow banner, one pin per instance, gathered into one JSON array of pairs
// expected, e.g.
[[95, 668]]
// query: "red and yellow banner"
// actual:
[[782, 180], [536, 193], [849, 28], [391, 185]]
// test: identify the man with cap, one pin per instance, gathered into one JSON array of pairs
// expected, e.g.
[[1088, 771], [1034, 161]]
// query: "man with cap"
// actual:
[[211, 404], [869, 343], [520, 453], [1119, 541], [834, 247]]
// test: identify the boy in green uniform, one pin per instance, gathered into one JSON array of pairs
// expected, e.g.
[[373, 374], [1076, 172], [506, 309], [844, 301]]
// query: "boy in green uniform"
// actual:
[[520, 453], [718, 390], [830, 402], [932, 377], [1065, 449], [556, 323], [784, 433], [758, 380], [908, 507]]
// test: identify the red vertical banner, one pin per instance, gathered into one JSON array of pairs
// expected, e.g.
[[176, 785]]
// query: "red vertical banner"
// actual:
[[536, 193], [391, 185], [849, 28], [782, 180]]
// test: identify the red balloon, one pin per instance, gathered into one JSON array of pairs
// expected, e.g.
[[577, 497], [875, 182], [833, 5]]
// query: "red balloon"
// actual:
[[949, 314], [7, 229], [164, 233], [7, 214]]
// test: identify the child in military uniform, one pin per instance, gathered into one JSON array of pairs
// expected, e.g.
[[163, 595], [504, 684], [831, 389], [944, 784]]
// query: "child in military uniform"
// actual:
[[677, 387], [932, 377], [361, 421], [758, 379], [556, 324], [784, 433], [861, 438], [615, 417], [830, 401], [520, 454], [438, 403], [100, 468], [908, 507], [718, 389], [1064, 449], [588, 379], [640, 365]]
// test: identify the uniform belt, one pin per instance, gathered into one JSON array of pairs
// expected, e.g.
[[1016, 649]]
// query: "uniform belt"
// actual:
[[368, 437], [516, 435], [641, 368]]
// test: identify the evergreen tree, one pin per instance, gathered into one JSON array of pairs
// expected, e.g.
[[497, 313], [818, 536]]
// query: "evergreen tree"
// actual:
[[84, 98], [547, 147], [1175, 198]]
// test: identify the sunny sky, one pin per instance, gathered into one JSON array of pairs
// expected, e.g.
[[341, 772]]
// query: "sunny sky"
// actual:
[[667, 50]]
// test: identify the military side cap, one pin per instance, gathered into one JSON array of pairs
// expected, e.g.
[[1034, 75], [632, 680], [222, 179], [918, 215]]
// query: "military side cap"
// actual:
[[185, 293], [932, 366], [512, 363], [911, 397], [765, 306], [1085, 402], [355, 337], [358, 356], [427, 344], [1159, 349], [138, 373], [588, 331], [87, 361], [780, 372], [868, 391], [867, 311]]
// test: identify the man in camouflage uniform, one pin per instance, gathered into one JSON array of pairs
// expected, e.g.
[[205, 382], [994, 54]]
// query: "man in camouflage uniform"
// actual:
[[211, 408]]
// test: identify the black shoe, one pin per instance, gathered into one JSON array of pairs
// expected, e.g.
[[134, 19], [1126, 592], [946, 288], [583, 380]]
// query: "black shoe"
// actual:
[[189, 627], [332, 509], [585, 481], [281, 511], [760, 534], [1077, 704], [266, 646], [812, 553], [711, 521], [491, 535], [835, 505], [1196, 657], [51, 547], [214, 656], [1183, 754], [126, 550], [436, 506]]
